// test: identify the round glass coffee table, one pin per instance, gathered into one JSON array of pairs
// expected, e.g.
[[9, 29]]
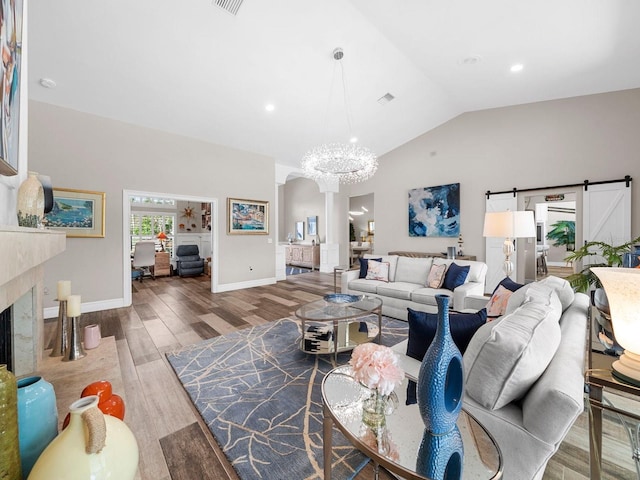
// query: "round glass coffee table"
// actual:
[[401, 446], [335, 323]]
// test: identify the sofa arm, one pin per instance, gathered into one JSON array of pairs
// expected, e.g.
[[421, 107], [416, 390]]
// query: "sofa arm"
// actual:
[[346, 277], [463, 291], [475, 302]]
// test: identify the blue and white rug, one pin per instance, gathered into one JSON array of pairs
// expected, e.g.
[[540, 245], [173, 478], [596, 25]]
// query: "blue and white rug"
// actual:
[[261, 398]]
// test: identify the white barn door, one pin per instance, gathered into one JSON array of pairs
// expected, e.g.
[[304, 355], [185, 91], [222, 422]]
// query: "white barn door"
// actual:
[[494, 257], [606, 214]]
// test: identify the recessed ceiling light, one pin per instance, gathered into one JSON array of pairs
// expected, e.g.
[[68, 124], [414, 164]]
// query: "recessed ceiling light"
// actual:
[[353, 139], [517, 67], [269, 107], [47, 83], [355, 213]]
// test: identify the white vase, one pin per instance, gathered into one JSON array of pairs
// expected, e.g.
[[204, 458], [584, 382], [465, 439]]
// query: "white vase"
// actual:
[[108, 451], [30, 207]]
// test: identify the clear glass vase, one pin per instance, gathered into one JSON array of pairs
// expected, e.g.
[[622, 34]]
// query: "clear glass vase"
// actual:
[[376, 407]]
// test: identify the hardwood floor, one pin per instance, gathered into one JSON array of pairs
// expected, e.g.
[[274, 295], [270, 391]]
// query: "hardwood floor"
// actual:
[[171, 312]]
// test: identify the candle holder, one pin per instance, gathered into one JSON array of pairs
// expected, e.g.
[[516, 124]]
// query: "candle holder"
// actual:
[[74, 350], [60, 345]]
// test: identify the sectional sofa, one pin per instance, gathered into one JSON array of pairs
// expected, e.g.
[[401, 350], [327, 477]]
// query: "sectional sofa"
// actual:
[[407, 284]]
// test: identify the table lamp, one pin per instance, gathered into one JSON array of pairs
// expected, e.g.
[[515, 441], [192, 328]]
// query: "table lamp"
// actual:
[[162, 237], [510, 225], [622, 286]]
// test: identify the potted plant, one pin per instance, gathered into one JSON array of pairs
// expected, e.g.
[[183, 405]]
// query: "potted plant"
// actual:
[[611, 254], [563, 234]]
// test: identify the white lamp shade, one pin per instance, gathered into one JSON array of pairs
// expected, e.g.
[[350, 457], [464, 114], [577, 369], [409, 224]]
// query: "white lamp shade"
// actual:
[[622, 286], [509, 224]]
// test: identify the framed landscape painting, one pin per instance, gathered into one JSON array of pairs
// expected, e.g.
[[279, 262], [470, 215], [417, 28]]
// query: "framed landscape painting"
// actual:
[[435, 211], [80, 213], [247, 217]]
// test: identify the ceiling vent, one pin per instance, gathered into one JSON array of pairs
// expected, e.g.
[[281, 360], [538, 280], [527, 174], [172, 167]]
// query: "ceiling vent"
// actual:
[[231, 6], [386, 98]]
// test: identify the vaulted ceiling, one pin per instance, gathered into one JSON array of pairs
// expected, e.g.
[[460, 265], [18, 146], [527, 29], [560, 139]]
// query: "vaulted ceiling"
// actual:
[[194, 69]]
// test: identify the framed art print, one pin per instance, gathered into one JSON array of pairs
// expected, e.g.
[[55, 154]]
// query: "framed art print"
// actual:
[[80, 213], [435, 211], [247, 217]]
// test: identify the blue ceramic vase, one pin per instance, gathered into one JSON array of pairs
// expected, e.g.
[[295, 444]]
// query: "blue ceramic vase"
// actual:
[[37, 419], [632, 259], [441, 379], [441, 456]]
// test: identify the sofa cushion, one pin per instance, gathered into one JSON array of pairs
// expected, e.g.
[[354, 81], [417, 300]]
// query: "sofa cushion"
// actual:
[[535, 290], [497, 304], [506, 357], [365, 286], [364, 266], [562, 288], [436, 276], [392, 260], [422, 329], [427, 296], [413, 270], [189, 258], [378, 271], [455, 276], [401, 290]]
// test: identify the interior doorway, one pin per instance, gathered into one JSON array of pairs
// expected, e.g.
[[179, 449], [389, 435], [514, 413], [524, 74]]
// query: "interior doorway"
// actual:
[[361, 226], [200, 211], [556, 215]]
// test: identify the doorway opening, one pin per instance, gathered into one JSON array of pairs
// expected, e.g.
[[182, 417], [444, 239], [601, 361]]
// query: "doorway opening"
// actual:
[[361, 227], [146, 214]]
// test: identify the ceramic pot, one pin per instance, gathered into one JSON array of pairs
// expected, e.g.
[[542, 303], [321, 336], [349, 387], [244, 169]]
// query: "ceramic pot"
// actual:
[[30, 207], [441, 456], [37, 419], [91, 336], [632, 259], [10, 459], [107, 451], [441, 379], [108, 402]]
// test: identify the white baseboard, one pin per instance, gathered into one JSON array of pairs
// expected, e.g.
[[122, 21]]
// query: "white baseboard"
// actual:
[[227, 287], [52, 312]]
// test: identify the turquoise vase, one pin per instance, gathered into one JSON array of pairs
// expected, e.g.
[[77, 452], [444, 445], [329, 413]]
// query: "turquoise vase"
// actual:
[[37, 419], [441, 379], [9, 452], [440, 457]]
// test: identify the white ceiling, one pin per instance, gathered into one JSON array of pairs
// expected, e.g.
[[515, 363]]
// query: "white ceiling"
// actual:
[[191, 68]]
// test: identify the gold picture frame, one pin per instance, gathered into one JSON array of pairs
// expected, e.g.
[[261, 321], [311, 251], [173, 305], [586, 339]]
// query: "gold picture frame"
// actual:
[[247, 217], [79, 213]]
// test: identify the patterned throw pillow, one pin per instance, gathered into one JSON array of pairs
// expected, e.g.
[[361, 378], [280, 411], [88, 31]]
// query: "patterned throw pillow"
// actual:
[[436, 276], [498, 302], [378, 271]]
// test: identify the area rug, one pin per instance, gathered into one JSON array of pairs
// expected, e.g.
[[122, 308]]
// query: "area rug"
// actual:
[[261, 398]]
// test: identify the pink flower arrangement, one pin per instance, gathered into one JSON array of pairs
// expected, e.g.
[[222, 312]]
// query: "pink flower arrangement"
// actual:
[[376, 366]]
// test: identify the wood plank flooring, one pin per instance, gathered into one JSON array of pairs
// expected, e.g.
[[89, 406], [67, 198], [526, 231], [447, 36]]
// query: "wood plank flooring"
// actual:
[[172, 312]]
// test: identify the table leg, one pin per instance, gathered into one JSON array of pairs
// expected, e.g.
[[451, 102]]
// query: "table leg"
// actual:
[[595, 431], [380, 325], [327, 430], [335, 341]]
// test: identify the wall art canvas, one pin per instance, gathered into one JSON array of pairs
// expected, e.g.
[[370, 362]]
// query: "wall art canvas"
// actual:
[[11, 49], [248, 217], [80, 213], [435, 211]]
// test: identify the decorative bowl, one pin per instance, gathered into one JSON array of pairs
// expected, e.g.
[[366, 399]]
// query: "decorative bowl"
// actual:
[[342, 298]]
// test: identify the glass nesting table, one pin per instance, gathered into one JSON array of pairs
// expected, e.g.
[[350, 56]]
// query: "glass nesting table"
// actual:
[[401, 446], [336, 323]]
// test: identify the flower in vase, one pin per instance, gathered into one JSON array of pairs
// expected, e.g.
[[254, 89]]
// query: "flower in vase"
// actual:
[[376, 366]]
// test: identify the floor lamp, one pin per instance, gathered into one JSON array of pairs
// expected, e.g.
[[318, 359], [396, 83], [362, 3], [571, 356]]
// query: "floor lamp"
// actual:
[[509, 225]]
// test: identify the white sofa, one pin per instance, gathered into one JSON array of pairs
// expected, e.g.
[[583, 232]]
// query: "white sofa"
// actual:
[[529, 430], [406, 286]]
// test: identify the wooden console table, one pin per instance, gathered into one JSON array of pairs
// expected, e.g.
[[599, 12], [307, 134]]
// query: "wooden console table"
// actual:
[[436, 255], [303, 256]]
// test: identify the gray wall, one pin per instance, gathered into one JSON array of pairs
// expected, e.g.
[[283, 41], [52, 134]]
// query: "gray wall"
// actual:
[[536, 145], [87, 152]]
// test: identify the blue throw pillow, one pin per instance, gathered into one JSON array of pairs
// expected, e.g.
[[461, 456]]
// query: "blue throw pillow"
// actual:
[[364, 265], [509, 285], [422, 329], [456, 275]]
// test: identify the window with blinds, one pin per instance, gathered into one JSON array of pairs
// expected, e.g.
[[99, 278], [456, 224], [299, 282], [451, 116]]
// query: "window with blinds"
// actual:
[[147, 226]]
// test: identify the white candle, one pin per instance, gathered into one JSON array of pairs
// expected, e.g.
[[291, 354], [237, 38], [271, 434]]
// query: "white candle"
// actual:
[[64, 289], [73, 306]]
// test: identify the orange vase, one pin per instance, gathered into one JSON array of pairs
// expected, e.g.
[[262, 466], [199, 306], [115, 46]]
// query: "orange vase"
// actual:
[[109, 403]]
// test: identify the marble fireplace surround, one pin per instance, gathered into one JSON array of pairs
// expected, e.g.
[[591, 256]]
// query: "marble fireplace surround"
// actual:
[[23, 252]]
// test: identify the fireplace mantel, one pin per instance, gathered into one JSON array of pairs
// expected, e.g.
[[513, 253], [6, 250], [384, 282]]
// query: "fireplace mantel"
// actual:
[[23, 252]]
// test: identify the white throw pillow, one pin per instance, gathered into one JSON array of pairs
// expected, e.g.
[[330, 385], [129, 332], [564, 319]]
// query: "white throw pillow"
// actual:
[[378, 271], [506, 357]]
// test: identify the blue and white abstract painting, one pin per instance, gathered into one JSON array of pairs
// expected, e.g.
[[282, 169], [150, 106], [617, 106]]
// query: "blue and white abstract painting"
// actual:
[[435, 211]]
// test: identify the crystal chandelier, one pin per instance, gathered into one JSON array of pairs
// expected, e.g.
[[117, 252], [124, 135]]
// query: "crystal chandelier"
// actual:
[[342, 162]]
